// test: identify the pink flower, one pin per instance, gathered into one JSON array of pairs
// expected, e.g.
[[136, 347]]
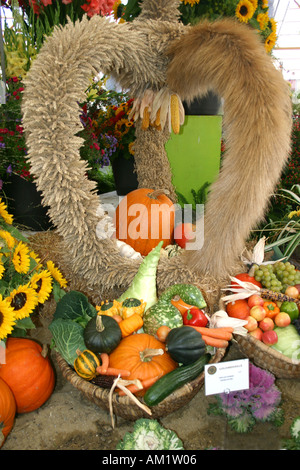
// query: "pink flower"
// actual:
[[46, 2], [66, 1], [96, 7]]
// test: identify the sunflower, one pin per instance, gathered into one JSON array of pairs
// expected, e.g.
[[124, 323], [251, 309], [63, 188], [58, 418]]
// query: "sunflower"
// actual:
[[270, 42], [23, 300], [4, 214], [191, 2], [7, 318], [131, 148], [21, 258], [8, 238], [42, 284], [56, 274], [273, 25], [244, 10], [264, 4], [262, 19]]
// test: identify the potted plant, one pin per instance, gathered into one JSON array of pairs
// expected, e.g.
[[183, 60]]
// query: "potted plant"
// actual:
[[109, 134]]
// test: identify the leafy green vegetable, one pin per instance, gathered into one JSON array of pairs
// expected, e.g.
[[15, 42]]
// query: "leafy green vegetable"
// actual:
[[143, 285], [148, 434], [74, 306], [288, 342], [68, 337]]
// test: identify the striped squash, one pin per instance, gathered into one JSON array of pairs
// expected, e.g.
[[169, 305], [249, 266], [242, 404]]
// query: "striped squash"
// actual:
[[85, 364]]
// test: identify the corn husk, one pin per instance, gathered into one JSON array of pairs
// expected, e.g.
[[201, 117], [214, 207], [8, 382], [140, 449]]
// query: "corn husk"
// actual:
[[221, 319]]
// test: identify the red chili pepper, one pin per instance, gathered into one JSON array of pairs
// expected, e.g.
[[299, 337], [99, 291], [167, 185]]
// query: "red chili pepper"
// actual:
[[195, 316]]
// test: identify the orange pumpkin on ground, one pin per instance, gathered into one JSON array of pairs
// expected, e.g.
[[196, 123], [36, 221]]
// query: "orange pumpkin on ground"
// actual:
[[28, 373], [7, 411], [143, 355], [144, 218]]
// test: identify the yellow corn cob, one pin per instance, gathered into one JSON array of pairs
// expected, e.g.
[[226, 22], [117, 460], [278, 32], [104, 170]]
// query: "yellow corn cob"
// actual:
[[146, 118], [157, 120], [175, 121]]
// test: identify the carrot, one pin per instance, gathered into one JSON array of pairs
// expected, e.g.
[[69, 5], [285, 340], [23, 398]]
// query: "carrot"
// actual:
[[218, 333], [113, 371], [215, 342], [133, 388], [104, 358], [181, 305]]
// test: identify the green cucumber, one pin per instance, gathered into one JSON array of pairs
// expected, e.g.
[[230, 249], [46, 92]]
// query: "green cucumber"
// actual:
[[175, 379], [189, 293]]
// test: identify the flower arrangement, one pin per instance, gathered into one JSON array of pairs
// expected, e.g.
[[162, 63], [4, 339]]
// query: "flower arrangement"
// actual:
[[12, 141], [253, 12], [259, 403], [108, 132], [24, 282]]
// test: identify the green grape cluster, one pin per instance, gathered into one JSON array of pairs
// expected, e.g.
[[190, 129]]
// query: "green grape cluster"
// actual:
[[278, 276]]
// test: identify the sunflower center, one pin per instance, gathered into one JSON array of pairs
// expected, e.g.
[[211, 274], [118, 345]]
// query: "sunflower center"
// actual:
[[1, 318], [38, 285], [19, 301], [244, 10]]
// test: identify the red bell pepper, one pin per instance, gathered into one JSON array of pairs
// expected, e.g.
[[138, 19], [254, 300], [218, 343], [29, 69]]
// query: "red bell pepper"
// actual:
[[195, 317]]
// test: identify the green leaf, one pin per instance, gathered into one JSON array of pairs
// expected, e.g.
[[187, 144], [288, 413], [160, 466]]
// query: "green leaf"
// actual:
[[25, 324], [74, 306], [67, 338]]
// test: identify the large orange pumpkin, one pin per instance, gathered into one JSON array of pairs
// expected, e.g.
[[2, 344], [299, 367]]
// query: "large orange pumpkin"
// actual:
[[144, 218], [7, 411], [28, 373], [136, 353]]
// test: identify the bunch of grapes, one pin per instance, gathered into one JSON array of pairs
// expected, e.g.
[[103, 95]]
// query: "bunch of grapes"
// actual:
[[278, 276]]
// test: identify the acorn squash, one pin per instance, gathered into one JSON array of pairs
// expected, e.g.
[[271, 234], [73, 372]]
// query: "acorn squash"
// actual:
[[185, 345], [102, 334]]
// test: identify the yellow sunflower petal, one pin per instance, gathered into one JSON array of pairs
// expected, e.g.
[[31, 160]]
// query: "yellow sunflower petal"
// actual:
[[8, 218], [7, 318], [42, 284], [56, 274], [21, 258]]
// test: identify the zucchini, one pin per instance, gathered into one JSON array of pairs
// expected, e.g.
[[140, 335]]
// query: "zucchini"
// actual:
[[173, 380]]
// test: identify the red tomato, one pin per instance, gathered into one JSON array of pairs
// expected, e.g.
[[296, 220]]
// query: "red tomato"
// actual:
[[238, 309], [183, 233], [245, 278]]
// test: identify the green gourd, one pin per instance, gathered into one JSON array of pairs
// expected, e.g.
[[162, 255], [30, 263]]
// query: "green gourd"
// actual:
[[185, 345], [102, 334]]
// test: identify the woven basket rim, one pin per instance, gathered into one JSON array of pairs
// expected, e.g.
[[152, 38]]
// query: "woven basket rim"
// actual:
[[267, 350], [93, 391]]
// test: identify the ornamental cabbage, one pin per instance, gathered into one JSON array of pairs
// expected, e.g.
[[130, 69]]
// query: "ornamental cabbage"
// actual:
[[148, 434]]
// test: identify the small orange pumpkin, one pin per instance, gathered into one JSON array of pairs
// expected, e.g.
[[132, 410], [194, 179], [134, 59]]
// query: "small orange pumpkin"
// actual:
[[145, 217], [7, 411], [143, 355], [28, 373]]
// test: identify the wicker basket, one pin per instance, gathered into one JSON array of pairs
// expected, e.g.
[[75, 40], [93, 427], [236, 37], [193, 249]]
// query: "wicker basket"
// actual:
[[267, 358], [124, 406]]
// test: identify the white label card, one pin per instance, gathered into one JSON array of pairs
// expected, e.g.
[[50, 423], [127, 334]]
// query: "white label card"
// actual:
[[225, 377]]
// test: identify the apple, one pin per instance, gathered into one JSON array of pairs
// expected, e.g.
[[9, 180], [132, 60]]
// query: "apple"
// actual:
[[257, 333], [282, 319], [255, 299], [269, 337], [297, 287], [252, 323], [292, 291], [258, 312], [184, 233], [266, 324]]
